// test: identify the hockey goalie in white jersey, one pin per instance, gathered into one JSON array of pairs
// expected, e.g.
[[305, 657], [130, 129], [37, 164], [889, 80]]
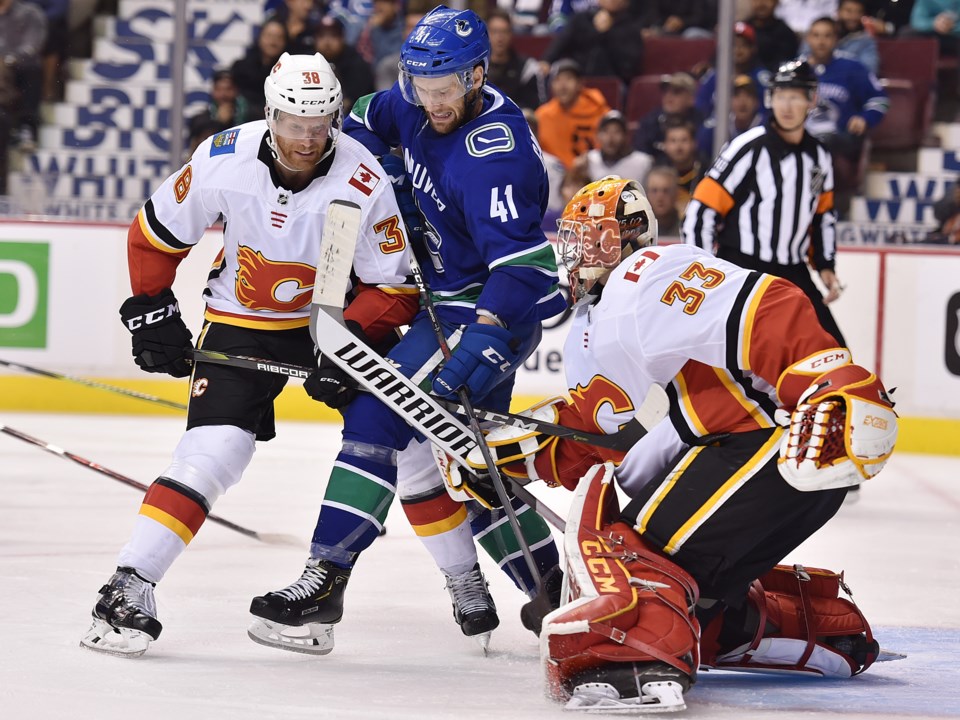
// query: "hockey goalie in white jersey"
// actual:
[[769, 424]]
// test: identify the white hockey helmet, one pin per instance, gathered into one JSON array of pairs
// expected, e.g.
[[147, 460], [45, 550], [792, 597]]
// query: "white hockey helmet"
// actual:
[[302, 86], [605, 221]]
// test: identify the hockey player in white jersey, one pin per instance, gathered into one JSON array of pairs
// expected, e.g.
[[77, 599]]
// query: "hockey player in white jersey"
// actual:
[[769, 424], [272, 181]]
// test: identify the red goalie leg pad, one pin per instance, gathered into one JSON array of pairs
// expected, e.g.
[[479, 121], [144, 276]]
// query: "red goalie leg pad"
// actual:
[[804, 626], [624, 603]]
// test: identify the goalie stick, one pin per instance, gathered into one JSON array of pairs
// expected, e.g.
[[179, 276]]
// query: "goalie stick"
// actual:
[[369, 369], [654, 408], [66, 455]]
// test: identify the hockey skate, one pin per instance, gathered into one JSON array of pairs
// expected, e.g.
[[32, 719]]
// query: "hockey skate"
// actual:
[[300, 618], [473, 606], [634, 688], [124, 616]]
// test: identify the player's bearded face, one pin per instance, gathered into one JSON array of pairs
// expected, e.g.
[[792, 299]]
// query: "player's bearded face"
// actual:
[[301, 140], [444, 101]]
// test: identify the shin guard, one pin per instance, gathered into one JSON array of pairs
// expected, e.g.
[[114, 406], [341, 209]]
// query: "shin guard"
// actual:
[[800, 625], [624, 606]]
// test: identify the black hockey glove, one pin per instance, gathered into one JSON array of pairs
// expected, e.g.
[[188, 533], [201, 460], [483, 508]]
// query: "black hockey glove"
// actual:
[[331, 385], [161, 340]]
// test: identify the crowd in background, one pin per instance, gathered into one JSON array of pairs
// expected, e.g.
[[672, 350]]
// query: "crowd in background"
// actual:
[[583, 136]]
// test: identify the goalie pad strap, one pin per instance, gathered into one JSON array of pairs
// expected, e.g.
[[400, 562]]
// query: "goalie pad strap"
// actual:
[[799, 610], [622, 638]]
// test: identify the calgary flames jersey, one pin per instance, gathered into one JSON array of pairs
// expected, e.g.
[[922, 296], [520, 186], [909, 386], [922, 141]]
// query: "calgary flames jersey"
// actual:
[[264, 275], [718, 337]]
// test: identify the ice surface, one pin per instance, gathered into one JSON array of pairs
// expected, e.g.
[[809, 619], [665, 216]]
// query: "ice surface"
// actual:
[[399, 653]]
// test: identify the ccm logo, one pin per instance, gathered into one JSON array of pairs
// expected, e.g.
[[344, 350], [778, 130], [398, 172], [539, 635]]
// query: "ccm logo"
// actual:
[[875, 422], [153, 317], [828, 359], [603, 577], [496, 359]]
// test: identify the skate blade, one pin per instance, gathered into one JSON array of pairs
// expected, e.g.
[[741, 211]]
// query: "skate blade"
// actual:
[[889, 656], [657, 697], [310, 639], [119, 642], [483, 640]]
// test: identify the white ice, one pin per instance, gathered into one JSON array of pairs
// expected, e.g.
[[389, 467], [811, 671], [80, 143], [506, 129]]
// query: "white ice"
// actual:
[[399, 653]]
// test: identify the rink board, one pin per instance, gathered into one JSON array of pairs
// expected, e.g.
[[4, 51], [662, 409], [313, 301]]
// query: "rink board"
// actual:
[[61, 283]]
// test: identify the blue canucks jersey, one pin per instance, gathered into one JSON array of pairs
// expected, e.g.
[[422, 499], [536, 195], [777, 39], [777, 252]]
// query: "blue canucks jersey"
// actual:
[[482, 190]]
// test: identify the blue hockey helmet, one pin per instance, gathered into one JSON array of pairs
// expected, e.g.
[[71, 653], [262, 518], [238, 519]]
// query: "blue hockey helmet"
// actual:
[[444, 42]]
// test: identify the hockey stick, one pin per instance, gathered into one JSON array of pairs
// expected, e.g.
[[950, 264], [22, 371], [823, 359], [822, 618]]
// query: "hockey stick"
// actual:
[[94, 384], [653, 409], [492, 469], [272, 538]]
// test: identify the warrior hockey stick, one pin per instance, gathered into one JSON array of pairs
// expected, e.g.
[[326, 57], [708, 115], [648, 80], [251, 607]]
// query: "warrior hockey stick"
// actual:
[[94, 384], [55, 450], [652, 411], [492, 469]]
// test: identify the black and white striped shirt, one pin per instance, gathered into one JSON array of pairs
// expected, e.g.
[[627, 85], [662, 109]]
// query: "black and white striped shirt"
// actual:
[[767, 199]]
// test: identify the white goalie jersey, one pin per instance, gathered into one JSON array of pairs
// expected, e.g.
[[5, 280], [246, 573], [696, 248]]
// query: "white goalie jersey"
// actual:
[[264, 275]]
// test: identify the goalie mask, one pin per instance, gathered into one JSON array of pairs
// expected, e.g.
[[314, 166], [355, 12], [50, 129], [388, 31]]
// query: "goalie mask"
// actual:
[[304, 104], [605, 222]]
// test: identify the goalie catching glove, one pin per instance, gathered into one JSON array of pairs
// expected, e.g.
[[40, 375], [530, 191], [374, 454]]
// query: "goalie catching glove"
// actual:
[[841, 433], [161, 340]]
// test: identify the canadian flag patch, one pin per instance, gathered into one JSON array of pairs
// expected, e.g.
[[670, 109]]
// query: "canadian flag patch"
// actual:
[[364, 179]]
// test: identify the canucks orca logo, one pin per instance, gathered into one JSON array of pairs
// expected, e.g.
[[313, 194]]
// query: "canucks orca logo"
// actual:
[[462, 28], [489, 139]]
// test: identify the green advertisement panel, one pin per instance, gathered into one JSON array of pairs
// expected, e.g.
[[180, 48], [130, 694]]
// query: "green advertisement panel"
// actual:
[[24, 286]]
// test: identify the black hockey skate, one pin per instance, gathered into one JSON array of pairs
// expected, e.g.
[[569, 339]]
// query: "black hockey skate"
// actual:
[[300, 618], [473, 606], [124, 616], [629, 687], [544, 602]]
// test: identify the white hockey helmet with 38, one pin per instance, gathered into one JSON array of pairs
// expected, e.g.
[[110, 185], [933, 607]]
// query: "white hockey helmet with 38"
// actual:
[[301, 88]]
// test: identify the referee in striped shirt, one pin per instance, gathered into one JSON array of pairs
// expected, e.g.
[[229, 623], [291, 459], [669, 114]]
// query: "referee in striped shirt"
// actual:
[[767, 202]]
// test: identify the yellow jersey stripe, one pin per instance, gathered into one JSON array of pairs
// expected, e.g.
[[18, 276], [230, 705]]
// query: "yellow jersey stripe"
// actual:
[[726, 491], [646, 512], [441, 526]]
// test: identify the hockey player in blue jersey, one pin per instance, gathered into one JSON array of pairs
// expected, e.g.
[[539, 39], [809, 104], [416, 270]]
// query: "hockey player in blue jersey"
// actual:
[[480, 184]]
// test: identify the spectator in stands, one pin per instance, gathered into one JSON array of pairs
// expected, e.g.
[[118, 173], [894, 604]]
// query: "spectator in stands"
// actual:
[[686, 18], [745, 62], [604, 40], [353, 72], [568, 122], [947, 212], [850, 100], [54, 49], [939, 19], [7, 93], [252, 69], [680, 147], [23, 29], [853, 39], [353, 14], [745, 113], [614, 154], [227, 109], [800, 14], [887, 17], [562, 10], [776, 42], [555, 170], [677, 103], [661, 187], [381, 38], [517, 76], [300, 18]]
